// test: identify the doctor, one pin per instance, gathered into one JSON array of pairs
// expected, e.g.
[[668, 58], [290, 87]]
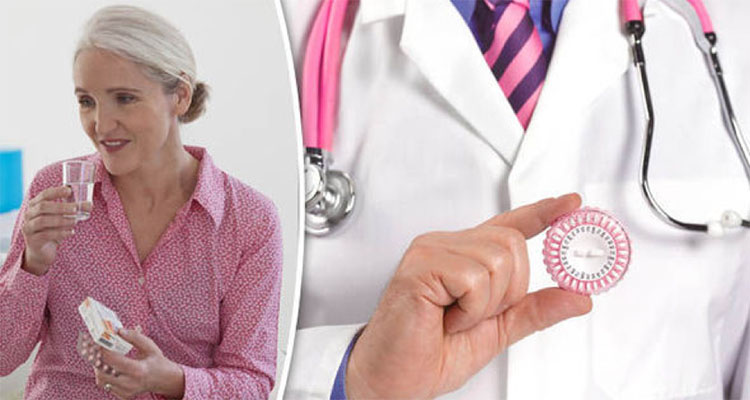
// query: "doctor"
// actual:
[[433, 144]]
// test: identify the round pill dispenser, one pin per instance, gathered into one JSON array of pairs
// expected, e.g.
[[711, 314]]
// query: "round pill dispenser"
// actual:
[[587, 251]]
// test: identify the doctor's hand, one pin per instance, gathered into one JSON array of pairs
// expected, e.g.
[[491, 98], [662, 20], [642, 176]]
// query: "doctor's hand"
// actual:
[[456, 301]]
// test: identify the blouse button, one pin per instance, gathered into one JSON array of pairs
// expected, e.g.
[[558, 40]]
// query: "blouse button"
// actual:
[[141, 280]]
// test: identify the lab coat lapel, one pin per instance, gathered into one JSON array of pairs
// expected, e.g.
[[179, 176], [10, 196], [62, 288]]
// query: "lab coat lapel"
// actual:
[[591, 52], [437, 40]]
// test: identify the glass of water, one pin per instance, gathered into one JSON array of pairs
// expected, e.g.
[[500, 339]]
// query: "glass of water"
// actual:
[[79, 177]]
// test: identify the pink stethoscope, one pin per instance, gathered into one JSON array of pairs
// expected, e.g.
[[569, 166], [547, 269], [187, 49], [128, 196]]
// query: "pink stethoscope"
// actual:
[[330, 194], [694, 12]]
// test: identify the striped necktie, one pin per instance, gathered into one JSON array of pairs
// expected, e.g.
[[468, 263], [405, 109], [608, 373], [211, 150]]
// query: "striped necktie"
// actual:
[[513, 50]]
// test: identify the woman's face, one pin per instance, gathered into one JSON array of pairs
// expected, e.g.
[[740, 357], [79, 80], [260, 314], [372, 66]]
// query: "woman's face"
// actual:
[[127, 115]]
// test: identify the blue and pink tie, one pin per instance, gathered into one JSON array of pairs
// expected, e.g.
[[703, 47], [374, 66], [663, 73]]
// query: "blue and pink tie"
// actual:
[[513, 49]]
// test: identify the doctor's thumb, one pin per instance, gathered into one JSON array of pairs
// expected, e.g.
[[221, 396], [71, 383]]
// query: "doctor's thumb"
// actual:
[[540, 310], [534, 218]]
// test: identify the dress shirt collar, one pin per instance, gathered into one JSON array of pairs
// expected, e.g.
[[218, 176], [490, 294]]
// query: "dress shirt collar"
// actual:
[[208, 192]]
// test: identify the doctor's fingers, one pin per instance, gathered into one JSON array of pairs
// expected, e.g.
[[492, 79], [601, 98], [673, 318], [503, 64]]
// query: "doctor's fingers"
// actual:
[[539, 310], [503, 252], [468, 286], [533, 218], [457, 285]]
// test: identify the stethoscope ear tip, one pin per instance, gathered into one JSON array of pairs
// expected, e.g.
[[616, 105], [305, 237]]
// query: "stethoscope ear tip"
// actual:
[[730, 219]]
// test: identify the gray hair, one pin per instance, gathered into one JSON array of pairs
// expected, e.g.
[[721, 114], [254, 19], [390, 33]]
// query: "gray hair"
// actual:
[[150, 41]]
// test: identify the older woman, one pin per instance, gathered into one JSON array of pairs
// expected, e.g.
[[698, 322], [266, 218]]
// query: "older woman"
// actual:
[[173, 244]]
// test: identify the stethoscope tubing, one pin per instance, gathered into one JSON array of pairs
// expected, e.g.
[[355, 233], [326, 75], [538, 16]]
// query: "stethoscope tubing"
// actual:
[[631, 11], [334, 198], [731, 120], [635, 26], [640, 65], [321, 70]]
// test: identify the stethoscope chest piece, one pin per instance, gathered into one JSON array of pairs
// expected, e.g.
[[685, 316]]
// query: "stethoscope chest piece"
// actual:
[[587, 251], [315, 184], [329, 198]]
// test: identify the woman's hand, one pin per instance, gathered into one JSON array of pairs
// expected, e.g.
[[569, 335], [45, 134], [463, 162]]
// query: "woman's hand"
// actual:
[[149, 372], [47, 222], [457, 300]]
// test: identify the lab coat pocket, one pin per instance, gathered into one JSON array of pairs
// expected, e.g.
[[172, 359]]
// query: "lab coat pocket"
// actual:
[[662, 331]]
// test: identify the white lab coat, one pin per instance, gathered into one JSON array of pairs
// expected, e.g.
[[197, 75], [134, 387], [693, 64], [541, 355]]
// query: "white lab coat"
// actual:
[[432, 144]]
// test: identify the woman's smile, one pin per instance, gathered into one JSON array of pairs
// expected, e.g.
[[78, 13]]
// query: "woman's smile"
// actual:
[[113, 145]]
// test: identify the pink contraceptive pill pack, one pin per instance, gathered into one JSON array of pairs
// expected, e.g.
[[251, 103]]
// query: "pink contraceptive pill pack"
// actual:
[[587, 251]]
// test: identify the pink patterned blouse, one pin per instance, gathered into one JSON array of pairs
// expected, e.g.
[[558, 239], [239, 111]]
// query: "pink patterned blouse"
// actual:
[[208, 294]]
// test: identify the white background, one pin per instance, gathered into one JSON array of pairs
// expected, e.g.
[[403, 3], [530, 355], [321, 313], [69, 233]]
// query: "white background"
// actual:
[[249, 128]]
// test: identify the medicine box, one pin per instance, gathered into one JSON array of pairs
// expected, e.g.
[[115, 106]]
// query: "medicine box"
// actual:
[[103, 324]]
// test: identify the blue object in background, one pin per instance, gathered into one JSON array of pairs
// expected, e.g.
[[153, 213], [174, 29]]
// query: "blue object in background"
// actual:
[[11, 180]]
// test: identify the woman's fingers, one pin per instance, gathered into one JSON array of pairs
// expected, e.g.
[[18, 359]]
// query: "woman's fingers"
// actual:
[[116, 386], [46, 219], [122, 365], [45, 212], [141, 342], [46, 222], [53, 208], [50, 194], [53, 235]]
